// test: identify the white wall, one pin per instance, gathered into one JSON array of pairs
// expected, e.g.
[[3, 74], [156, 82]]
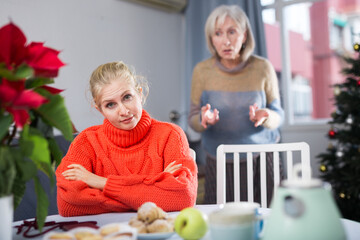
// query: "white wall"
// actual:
[[92, 32]]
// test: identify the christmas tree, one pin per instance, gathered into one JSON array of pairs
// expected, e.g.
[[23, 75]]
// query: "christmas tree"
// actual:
[[340, 164]]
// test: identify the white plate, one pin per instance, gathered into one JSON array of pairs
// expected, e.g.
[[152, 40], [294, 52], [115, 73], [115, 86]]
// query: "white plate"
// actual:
[[153, 236]]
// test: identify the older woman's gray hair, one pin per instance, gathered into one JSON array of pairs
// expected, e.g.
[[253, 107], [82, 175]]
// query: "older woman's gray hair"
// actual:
[[218, 15]]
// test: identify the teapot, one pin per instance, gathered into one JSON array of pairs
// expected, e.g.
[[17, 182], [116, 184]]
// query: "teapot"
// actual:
[[303, 209]]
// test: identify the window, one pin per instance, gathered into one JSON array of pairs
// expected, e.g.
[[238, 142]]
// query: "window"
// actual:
[[305, 39]]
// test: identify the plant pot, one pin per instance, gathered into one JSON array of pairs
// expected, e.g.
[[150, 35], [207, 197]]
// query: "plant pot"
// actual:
[[6, 217]]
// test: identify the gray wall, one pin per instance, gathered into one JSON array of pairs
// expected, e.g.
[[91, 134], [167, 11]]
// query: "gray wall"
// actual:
[[92, 32], [314, 134]]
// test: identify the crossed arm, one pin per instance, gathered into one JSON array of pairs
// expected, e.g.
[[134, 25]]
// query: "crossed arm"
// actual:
[[77, 172]]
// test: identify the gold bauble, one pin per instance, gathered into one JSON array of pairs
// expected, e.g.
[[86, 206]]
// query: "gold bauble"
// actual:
[[322, 168]]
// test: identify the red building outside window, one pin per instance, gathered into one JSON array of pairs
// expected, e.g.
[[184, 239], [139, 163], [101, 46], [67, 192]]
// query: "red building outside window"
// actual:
[[318, 34]]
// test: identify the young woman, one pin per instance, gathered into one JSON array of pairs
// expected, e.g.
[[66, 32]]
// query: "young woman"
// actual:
[[128, 160]]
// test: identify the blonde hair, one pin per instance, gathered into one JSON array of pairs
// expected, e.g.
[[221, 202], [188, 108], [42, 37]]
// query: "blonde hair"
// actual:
[[116, 71], [239, 16]]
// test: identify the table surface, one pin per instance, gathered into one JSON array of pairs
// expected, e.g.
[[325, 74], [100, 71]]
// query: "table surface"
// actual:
[[352, 228]]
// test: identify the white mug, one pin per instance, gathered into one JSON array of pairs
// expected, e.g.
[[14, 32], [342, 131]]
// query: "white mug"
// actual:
[[236, 221]]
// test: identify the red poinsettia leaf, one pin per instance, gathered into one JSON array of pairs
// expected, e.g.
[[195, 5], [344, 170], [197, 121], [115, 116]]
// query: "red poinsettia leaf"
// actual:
[[20, 116], [52, 90], [44, 60], [29, 99], [10, 89], [12, 45], [7, 93], [49, 73]]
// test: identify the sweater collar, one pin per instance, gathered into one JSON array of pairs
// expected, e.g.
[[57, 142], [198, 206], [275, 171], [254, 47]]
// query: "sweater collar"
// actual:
[[236, 69], [127, 138]]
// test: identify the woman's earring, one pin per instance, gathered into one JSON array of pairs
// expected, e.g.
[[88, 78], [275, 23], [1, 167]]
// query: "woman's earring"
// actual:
[[243, 46]]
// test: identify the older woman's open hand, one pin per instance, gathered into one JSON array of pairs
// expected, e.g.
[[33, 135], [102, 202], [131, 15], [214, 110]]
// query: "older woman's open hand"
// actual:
[[256, 115], [77, 172], [208, 116]]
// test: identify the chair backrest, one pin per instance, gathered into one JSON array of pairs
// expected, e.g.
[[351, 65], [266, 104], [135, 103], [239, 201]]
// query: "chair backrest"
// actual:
[[249, 149], [193, 154]]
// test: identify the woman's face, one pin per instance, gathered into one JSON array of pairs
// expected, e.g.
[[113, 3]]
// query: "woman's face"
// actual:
[[121, 104], [228, 39]]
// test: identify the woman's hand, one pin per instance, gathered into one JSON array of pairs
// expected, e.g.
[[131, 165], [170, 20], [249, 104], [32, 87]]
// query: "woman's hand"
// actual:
[[256, 115], [208, 116], [76, 172], [172, 167]]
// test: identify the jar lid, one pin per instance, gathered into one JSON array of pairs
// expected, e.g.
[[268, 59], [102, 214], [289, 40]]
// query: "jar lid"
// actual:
[[300, 182], [230, 216], [303, 183]]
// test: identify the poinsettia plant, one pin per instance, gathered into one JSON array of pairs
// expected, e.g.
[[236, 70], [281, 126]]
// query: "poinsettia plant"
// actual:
[[29, 111]]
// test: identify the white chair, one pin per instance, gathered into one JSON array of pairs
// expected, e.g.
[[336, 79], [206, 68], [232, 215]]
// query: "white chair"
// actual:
[[249, 149], [193, 154]]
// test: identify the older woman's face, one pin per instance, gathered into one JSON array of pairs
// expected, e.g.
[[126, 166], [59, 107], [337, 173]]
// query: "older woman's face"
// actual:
[[121, 104], [228, 39]]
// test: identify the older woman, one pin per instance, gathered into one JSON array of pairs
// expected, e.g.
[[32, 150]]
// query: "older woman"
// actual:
[[235, 95], [128, 160]]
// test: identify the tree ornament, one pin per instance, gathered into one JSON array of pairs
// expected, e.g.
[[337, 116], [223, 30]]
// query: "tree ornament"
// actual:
[[333, 114], [332, 133], [339, 154], [323, 168], [342, 195], [358, 83], [330, 146], [349, 120], [337, 91], [356, 47]]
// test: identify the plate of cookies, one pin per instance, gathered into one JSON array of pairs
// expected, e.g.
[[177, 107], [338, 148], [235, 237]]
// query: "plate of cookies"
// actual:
[[152, 222], [113, 231]]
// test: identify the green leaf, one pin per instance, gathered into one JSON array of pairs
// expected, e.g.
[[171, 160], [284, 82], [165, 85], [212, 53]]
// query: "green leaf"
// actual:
[[37, 82], [26, 169], [7, 170], [36, 147], [23, 71], [5, 122], [55, 113], [18, 191], [6, 73], [42, 204], [56, 152]]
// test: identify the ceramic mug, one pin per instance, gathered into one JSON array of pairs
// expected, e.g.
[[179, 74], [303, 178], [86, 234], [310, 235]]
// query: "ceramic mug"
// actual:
[[236, 221]]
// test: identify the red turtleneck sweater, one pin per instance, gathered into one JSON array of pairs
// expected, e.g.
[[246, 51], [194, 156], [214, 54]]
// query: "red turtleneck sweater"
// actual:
[[133, 163]]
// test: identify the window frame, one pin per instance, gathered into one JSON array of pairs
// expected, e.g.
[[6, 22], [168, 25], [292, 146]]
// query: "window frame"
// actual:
[[279, 7]]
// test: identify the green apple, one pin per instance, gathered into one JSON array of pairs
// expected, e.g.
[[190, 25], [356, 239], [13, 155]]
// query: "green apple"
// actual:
[[191, 224]]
